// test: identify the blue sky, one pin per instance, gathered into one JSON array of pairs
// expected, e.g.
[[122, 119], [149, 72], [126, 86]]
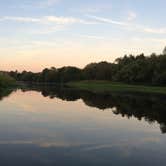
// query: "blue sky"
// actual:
[[42, 33]]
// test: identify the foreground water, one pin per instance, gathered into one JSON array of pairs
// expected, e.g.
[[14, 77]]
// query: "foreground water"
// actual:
[[41, 126]]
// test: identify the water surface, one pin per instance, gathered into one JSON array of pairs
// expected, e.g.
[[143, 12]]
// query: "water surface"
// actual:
[[48, 126]]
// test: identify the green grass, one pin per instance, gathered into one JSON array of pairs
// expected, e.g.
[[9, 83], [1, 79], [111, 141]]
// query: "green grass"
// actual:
[[6, 81], [106, 86]]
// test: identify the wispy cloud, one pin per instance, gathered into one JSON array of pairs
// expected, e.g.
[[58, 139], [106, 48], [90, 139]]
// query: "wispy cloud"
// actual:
[[128, 25], [131, 16], [155, 30], [62, 21], [147, 29], [46, 19], [19, 19], [107, 20]]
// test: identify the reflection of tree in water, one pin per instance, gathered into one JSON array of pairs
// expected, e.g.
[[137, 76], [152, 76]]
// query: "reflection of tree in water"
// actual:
[[150, 107], [5, 93], [163, 128]]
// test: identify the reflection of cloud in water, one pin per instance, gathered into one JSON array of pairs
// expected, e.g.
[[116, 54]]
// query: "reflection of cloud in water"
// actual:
[[64, 125], [43, 144], [85, 146], [124, 144]]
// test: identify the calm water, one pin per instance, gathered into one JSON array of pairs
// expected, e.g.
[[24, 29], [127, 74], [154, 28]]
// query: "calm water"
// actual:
[[42, 126]]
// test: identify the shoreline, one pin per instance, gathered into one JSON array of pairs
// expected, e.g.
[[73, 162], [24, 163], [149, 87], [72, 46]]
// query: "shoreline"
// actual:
[[107, 86]]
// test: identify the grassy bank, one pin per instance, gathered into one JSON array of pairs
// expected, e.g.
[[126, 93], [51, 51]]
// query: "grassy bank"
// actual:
[[6, 81], [106, 86]]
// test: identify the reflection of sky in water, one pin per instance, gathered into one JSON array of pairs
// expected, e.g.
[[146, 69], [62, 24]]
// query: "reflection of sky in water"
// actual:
[[30, 123]]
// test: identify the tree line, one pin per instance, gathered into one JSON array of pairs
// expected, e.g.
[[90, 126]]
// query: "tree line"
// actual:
[[140, 69], [6, 81]]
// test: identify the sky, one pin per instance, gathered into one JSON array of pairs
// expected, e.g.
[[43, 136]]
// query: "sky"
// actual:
[[35, 34]]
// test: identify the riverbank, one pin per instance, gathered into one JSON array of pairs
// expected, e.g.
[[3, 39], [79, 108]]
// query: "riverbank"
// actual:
[[107, 86], [6, 81]]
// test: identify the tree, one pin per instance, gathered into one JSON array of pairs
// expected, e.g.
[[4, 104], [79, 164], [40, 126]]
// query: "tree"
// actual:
[[164, 51]]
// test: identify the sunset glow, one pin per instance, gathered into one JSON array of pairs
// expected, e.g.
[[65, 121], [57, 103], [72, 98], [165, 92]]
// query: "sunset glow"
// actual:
[[44, 33]]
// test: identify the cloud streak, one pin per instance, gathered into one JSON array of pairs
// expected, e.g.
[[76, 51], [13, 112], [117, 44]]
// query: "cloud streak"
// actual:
[[155, 30], [106, 20], [62, 21], [128, 25], [46, 20]]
